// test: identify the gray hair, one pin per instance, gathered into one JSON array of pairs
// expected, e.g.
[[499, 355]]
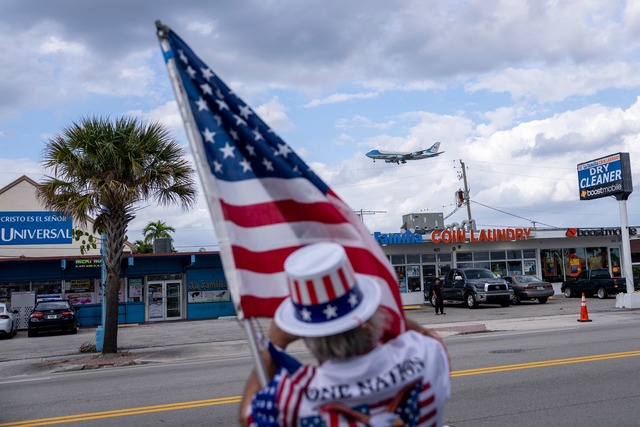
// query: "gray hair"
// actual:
[[345, 345]]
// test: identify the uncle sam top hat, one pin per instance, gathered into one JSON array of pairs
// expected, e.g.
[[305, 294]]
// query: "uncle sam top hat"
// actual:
[[326, 296]]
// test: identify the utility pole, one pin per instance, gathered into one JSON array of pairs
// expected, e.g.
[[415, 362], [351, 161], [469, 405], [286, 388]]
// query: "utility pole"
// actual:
[[466, 190]]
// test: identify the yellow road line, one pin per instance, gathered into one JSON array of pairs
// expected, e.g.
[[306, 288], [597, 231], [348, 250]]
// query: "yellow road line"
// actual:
[[545, 363], [123, 412], [236, 399]]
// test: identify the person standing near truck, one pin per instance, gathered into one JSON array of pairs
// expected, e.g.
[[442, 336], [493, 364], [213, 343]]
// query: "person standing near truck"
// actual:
[[437, 293]]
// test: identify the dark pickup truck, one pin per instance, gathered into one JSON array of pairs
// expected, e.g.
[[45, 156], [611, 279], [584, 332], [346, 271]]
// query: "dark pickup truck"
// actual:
[[595, 282], [474, 286]]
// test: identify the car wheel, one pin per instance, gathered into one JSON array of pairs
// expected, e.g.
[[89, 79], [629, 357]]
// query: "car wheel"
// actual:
[[515, 299], [568, 293], [543, 300], [602, 293], [74, 330], [31, 334], [471, 300]]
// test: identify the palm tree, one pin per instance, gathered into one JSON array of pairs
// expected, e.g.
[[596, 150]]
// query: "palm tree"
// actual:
[[143, 247], [103, 168], [155, 230]]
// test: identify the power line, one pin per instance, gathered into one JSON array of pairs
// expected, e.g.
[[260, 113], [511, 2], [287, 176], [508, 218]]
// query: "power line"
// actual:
[[514, 215]]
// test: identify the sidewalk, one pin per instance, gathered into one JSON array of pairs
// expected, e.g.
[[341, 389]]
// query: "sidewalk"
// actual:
[[218, 338]]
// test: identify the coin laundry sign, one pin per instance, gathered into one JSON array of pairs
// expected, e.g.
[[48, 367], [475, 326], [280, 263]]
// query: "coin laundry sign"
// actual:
[[35, 228], [606, 176]]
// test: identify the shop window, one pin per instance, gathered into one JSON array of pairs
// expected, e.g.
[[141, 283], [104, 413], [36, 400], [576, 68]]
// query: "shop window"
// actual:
[[7, 287], [80, 291], [413, 278], [401, 275], [528, 253], [135, 289], [597, 258], [481, 256], [443, 269], [497, 255], [552, 268], [445, 257], [413, 259], [514, 254], [397, 259], [499, 268], [514, 267], [530, 268], [482, 264], [428, 271], [428, 257], [47, 288], [614, 255], [574, 261], [465, 264], [464, 256]]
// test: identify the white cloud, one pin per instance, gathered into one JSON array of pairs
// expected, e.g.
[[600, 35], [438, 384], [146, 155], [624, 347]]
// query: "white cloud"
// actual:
[[340, 97], [274, 113]]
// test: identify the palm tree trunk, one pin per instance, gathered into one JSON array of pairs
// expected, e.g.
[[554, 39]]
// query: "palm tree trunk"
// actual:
[[110, 343], [116, 226]]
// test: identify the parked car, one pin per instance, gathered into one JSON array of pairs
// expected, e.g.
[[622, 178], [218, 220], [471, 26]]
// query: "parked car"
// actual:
[[529, 288], [474, 286], [52, 315], [8, 323], [595, 282]]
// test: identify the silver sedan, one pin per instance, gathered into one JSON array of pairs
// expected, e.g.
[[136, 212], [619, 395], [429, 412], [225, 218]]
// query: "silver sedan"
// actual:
[[529, 288]]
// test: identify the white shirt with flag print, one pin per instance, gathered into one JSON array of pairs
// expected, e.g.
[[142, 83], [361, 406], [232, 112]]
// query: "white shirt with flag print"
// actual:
[[326, 395]]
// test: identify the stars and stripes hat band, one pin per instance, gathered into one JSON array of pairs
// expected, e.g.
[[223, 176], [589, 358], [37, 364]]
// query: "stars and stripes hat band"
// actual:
[[326, 296]]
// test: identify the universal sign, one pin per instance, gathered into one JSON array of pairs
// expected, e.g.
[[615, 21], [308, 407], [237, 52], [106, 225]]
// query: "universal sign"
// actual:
[[35, 228], [606, 176]]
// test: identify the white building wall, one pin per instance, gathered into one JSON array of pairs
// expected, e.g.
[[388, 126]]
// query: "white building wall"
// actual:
[[20, 196]]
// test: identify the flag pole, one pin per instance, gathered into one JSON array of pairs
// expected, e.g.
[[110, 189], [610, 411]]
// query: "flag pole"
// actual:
[[195, 142]]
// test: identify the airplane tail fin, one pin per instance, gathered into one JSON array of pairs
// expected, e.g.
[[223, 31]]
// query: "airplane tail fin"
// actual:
[[434, 148]]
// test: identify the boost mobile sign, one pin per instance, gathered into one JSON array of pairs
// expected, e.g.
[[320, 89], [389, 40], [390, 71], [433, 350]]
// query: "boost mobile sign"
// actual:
[[606, 176], [35, 228]]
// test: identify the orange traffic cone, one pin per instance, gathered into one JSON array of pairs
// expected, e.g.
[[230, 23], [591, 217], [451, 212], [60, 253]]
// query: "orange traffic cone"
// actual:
[[584, 315]]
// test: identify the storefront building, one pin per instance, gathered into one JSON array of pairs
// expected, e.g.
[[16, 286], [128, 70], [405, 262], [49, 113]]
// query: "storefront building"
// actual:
[[550, 254], [153, 287]]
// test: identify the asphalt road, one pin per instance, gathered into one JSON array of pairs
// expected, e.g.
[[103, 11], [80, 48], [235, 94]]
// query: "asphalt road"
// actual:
[[189, 340], [508, 368]]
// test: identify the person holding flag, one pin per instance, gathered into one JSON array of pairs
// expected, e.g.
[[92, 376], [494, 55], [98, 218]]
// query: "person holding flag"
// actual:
[[358, 380], [266, 203]]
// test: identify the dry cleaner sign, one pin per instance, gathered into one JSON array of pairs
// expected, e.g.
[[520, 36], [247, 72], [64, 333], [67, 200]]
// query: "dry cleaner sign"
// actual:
[[606, 176]]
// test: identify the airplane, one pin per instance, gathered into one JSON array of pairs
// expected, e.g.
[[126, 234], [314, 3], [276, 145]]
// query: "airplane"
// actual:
[[398, 158]]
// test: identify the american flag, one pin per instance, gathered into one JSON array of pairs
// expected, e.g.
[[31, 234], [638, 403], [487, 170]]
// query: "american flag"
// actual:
[[265, 201]]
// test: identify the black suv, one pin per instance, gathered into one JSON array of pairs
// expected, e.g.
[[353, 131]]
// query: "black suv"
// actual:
[[474, 286]]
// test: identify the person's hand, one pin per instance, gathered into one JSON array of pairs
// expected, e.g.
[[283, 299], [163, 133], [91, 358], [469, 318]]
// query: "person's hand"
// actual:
[[279, 337]]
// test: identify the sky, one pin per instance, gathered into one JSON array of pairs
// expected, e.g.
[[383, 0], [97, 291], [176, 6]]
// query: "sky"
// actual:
[[519, 92]]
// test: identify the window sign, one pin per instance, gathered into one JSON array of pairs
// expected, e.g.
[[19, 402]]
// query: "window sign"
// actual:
[[136, 289]]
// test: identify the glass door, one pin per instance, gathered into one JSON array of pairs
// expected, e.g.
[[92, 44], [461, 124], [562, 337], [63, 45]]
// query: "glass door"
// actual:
[[164, 300], [173, 300]]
